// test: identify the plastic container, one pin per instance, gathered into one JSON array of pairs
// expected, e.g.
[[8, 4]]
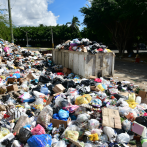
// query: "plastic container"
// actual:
[[44, 90], [138, 100]]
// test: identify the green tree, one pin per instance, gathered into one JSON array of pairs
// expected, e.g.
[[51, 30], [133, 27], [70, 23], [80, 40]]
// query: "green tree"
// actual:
[[74, 24], [119, 19], [4, 29]]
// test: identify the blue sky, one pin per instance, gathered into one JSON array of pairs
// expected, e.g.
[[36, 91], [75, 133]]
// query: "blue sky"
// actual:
[[47, 12], [66, 9]]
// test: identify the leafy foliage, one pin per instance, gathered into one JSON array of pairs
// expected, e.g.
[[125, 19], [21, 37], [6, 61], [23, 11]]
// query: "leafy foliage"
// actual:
[[41, 35], [4, 29], [119, 19]]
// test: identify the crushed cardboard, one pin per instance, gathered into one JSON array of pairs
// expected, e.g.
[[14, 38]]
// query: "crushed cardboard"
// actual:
[[111, 118]]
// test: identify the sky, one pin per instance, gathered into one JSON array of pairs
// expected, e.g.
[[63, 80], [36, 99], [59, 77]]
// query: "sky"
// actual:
[[47, 12]]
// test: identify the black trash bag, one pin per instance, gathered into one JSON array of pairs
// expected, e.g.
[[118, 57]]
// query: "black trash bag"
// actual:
[[119, 87], [47, 72], [85, 43], [119, 131], [56, 110], [24, 135], [85, 82], [7, 142], [36, 88], [65, 83], [29, 113], [129, 87], [50, 88], [92, 83], [142, 120], [5, 98], [57, 81], [118, 96], [64, 104], [71, 84], [44, 79]]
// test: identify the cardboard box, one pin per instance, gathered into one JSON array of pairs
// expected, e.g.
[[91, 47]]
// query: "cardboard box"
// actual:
[[11, 81], [75, 142], [66, 71], [143, 96], [111, 118], [58, 88], [21, 80], [30, 76], [57, 122], [92, 77], [94, 88], [2, 90], [12, 88], [84, 50], [49, 100]]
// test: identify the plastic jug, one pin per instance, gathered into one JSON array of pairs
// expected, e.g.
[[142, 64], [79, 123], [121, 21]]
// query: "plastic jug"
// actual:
[[138, 100], [44, 90]]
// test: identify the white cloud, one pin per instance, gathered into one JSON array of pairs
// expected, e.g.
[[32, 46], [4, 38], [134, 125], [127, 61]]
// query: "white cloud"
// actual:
[[31, 12]]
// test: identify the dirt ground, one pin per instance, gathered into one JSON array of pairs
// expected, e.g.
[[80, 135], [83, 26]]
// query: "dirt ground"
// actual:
[[129, 71]]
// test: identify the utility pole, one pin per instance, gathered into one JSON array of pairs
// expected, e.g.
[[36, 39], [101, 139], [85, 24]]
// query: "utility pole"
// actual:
[[26, 35], [52, 38], [10, 21]]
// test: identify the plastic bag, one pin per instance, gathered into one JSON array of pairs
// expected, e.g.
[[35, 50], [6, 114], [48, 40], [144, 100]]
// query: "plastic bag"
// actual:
[[85, 99], [63, 114], [57, 101], [113, 91], [38, 130], [93, 124], [71, 108], [83, 117], [40, 140], [123, 138], [99, 86], [4, 132], [74, 135], [72, 92], [104, 138], [80, 110], [110, 133], [23, 120], [96, 103], [48, 109], [61, 143], [122, 102], [98, 131], [126, 124], [132, 97], [24, 135], [43, 118]]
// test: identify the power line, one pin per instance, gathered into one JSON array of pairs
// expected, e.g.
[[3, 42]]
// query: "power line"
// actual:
[[13, 4]]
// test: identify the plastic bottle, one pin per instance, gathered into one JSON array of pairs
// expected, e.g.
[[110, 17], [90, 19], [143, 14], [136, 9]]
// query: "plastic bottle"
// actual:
[[138, 99], [44, 90]]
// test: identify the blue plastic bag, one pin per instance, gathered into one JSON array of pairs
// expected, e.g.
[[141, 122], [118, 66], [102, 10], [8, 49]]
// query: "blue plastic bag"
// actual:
[[17, 75], [63, 114], [40, 140]]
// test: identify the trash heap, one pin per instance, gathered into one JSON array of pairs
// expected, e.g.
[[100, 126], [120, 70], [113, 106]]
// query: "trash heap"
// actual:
[[83, 45], [46, 105]]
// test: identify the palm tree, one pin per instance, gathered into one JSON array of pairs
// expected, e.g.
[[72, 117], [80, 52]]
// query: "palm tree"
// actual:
[[75, 23]]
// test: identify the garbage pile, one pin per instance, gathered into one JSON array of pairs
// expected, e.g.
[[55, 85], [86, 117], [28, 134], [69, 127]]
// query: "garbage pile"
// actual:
[[83, 45], [46, 105]]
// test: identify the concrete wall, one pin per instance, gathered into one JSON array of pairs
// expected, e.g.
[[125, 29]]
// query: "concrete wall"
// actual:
[[85, 64]]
